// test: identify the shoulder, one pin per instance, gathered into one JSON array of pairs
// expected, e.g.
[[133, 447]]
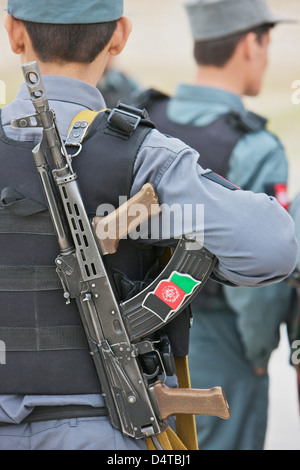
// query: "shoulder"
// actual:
[[160, 154], [258, 162], [257, 148], [156, 139], [265, 138]]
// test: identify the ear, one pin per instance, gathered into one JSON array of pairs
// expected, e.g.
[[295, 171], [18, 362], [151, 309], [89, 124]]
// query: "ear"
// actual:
[[16, 34], [250, 45], [120, 36]]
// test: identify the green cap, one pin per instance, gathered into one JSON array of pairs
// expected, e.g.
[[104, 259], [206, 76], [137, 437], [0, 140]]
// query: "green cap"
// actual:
[[216, 19], [66, 11]]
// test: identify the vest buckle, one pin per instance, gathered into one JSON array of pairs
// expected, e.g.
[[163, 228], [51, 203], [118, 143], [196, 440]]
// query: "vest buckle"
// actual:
[[126, 118]]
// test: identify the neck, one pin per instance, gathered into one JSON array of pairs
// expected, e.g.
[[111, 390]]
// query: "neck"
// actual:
[[89, 73], [222, 78]]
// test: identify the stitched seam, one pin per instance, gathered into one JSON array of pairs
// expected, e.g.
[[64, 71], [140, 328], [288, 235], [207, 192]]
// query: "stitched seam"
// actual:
[[168, 163]]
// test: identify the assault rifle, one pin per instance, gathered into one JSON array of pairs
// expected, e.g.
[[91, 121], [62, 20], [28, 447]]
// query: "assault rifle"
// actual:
[[117, 333]]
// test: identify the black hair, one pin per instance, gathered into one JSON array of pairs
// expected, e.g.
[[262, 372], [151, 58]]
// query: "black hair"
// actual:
[[69, 42], [218, 52]]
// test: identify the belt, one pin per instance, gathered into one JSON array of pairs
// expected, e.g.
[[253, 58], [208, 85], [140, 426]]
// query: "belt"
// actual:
[[48, 413]]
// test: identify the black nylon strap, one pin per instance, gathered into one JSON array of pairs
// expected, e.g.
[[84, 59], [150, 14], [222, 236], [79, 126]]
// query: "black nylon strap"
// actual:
[[37, 224], [143, 132], [18, 204], [125, 119], [50, 413], [43, 339], [28, 278]]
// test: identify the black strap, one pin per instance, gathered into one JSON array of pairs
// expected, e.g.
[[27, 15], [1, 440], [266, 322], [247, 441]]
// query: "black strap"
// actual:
[[50, 413], [143, 132], [37, 224], [18, 204], [125, 119], [28, 278], [56, 338]]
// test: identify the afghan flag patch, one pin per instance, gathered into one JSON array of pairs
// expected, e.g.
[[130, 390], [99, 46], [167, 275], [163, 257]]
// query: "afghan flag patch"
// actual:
[[170, 294]]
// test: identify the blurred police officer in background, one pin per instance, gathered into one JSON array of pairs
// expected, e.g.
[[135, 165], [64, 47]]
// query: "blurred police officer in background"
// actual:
[[115, 85], [234, 330], [50, 396]]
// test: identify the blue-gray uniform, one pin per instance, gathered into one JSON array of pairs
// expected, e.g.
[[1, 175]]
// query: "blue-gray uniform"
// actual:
[[295, 213], [240, 328], [247, 254]]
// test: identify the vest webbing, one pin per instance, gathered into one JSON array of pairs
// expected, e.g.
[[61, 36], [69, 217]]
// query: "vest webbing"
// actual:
[[46, 349], [23, 215]]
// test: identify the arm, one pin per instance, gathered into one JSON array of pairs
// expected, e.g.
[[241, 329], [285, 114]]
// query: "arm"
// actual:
[[260, 164], [251, 234]]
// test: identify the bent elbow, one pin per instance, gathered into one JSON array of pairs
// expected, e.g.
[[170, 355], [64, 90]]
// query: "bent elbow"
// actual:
[[282, 252]]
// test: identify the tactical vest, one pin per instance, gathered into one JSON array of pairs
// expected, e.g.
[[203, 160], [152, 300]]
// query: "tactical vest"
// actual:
[[214, 142], [46, 351]]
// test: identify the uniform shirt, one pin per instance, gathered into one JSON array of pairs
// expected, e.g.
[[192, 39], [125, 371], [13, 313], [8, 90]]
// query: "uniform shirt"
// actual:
[[257, 159], [257, 162], [247, 254]]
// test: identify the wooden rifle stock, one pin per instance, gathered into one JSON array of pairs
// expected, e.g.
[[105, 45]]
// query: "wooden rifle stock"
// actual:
[[119, 223], [172, 401]]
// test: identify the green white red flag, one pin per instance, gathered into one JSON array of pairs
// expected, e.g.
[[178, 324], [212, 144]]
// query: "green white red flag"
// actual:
[[170, 294]]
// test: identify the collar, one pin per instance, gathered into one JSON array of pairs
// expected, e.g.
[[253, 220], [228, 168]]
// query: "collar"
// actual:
[[208, 95], [68, 89]]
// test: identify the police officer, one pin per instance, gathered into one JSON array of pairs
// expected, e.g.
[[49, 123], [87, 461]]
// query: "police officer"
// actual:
[[49, 394], [294, 282], [235, 330]]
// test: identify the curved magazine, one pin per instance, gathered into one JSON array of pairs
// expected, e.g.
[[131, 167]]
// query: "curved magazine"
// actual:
[[175, 287]]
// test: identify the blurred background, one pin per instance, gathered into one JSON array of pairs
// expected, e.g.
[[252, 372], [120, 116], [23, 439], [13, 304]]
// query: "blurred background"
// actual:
[[159, 55]]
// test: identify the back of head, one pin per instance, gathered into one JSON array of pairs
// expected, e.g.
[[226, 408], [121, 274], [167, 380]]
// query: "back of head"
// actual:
[[69, 30], [218, 26]]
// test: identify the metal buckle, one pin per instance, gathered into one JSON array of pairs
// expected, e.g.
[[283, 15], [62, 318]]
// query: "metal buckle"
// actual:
[[132, 118], [132, 123], [76, 135]]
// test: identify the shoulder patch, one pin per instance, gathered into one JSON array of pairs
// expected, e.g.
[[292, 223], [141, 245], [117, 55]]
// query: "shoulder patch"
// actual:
[[278, 190], [220, 180]]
